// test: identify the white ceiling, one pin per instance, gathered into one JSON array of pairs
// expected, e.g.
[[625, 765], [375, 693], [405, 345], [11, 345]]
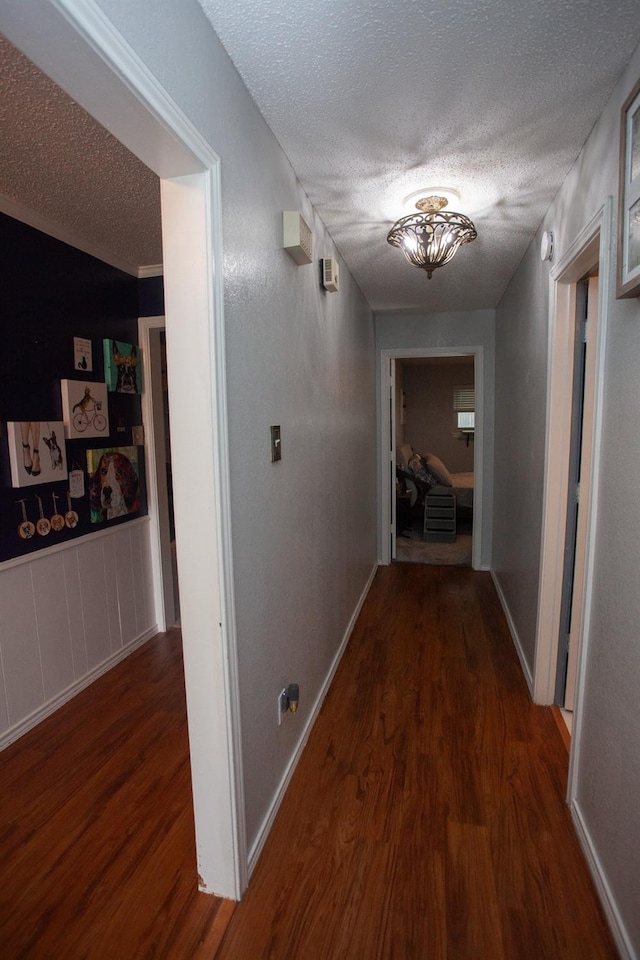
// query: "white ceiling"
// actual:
[[373, 99], [370, 101], [62, 172]]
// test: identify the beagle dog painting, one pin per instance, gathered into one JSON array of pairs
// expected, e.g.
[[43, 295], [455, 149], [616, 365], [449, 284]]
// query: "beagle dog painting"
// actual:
[[114, 489]]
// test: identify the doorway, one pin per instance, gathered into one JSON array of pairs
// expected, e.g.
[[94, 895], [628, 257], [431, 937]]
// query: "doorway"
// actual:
[[434, 418], [387, 441], [586, 299], [160, 480], [83, 52], [589, 256]]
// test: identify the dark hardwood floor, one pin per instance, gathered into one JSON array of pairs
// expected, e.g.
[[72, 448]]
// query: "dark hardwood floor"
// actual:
[[96, 824], [425, 821]]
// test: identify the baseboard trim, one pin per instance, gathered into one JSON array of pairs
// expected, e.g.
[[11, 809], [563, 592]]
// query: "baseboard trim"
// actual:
[[263, 833], [607, 899], [514, 634], [14, 733]]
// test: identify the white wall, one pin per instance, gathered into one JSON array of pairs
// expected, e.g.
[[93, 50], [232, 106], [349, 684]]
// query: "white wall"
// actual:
[[66, 615], [450, 331], [431, 421], [608, 773], [303, 530]]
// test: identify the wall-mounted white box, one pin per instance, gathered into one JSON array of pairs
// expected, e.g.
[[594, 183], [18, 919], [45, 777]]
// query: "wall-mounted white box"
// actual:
[[330, 278], [297, 238]]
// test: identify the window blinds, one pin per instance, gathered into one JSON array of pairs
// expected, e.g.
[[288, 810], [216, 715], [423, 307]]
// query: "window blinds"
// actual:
[[464, 399]]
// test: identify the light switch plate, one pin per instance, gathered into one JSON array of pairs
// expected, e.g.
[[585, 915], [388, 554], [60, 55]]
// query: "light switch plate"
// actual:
[[276, 447], [137, 435]]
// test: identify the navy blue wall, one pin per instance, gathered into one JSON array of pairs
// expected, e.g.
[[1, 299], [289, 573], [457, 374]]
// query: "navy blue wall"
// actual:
[[151, 297], [49, 294]]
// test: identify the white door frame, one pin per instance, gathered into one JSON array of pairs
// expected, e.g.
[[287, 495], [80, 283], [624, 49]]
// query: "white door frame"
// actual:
[[157, 499], [79, 48], [398, 353], [590, 248]]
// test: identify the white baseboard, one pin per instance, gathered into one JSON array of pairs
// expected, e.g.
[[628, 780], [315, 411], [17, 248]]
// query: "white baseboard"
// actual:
[[17, 731], [263, 833], [514, 634], [605, 893]]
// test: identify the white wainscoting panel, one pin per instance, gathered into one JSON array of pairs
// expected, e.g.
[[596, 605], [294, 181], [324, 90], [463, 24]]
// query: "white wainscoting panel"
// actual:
[[66, 616], [52, 619], [95, 613], [20, 649], [74, 607]]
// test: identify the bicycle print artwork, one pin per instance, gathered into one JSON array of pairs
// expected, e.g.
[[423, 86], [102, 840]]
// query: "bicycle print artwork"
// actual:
[[85, 409]]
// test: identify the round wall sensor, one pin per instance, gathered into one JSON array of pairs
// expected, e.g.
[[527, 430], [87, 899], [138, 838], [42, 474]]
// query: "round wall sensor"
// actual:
[[546, 246]]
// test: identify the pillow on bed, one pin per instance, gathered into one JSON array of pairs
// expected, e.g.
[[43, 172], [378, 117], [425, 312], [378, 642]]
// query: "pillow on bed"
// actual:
[[438, 469], [419, 469]]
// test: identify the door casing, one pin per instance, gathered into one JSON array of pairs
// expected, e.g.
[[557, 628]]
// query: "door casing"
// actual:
[[590, 249]]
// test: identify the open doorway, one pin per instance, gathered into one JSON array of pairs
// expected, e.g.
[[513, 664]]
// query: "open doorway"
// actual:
[[160, 479], [89, 59], [390, 454], [435, 421], [580, 285], [586, 298]]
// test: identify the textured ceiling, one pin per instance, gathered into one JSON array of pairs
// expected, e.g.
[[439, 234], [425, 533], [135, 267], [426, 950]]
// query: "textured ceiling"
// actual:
[[59, 164], [372, 100]]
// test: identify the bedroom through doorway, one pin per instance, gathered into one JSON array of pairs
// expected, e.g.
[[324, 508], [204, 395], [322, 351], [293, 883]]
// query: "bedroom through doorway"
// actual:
[[434, 445]]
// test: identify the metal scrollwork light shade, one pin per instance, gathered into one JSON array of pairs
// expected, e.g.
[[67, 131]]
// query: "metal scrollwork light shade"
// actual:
[[431, 238]]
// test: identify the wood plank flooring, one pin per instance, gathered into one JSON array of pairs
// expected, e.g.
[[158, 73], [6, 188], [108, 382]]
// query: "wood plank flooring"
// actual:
[[425, 821], [96, 825]]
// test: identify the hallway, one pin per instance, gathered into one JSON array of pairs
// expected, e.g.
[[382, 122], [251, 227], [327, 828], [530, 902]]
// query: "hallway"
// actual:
[[425, 820]]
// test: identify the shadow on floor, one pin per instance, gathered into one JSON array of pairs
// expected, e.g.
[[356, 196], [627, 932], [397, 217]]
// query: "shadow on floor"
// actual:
[[411, 548]]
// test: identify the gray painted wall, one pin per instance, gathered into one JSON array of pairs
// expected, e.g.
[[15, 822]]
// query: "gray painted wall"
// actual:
[[608, 782], [520, 427], [303, 530], [449, 331]]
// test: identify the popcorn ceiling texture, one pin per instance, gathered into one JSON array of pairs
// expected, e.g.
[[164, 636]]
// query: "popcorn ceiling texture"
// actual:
[[57, 161], [372, 100]]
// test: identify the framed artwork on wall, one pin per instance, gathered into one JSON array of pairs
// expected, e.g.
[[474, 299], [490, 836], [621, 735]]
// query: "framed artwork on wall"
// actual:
[[114, 485], [36, 452], [85, 409], [628, 284], [122, 369]]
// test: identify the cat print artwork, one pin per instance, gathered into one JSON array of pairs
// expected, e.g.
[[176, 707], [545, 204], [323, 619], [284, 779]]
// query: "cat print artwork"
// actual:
[[122, 367]]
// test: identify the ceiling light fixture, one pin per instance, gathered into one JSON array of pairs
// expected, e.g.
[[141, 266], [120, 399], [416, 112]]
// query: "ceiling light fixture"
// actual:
[[431, 238]]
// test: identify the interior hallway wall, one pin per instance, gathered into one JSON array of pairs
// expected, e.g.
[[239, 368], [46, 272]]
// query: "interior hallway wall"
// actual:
[[303, 529], [608, 771]]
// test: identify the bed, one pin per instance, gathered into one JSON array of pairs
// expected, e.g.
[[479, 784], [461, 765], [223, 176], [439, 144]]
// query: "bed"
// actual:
[[426, 473]]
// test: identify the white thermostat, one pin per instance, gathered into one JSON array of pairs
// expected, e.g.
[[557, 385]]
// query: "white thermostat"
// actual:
[[330, 278]]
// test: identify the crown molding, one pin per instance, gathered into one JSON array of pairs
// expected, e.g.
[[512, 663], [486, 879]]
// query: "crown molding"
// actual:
[[150, 270], [17, 210]]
